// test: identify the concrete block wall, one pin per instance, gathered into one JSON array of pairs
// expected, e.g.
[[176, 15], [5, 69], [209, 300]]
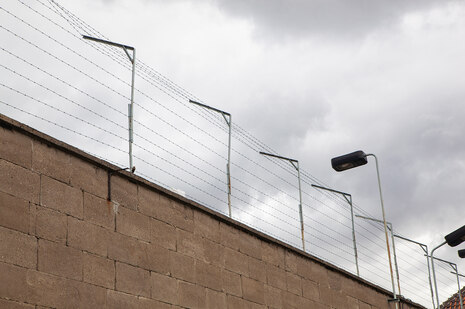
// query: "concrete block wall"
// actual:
[[63, 245]]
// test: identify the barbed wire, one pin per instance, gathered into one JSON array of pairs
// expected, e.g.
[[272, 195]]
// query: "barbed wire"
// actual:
[[250, 198]]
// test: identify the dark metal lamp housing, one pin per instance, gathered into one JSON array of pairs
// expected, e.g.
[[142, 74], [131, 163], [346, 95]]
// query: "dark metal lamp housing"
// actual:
[[462, 253], [349, 161], [456, 237]]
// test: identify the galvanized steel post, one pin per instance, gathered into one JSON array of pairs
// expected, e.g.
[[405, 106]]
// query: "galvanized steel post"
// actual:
[[349, 200], [228, 165], [131, 105], [295, 164]]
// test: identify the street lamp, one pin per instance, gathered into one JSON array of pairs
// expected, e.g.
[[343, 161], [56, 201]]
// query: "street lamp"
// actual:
[[425, 249], [295, 164], [130, 106], [389, 224], [348, 198], [455, 272], [228, 166], [356, 159], [453, 239]]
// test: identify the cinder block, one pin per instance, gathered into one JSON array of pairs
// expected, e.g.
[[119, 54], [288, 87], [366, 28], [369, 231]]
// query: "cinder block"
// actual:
[[191, 295], [126, 249], [273, 254], [52, 291], [257, 270], [89, 177], [183, 216], [229, 236], [236, 262], [18, 248], [124, 192], [313, 271], [132, 280], [352, 303], [212, 252], [335, 280], [15, 147], [206, 226], [188, 243], [164, 288], [166, 209], [9, 304], [294, 283], [252, 305], [250, 245], [50, 161], [253, 290], [99, 211], [291, 261], [14, 212], [98, 270], [60, 260], [319, 274], [158, 259], [276, 277], [215, 300], [310, 290], [208, 275], [13, 282], [232, 283], [150, 203], [236, 302], [273, 297], [133, 223], [50, 224], [339, 300], [119, 300], [132, 251], [88, 237], [326, 294], [61, 197], [182, 266], [362, 305], [162, 234], [20, 182], [291, 300]]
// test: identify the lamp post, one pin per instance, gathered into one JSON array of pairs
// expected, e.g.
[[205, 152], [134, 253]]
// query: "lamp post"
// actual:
[[425, 249], [389, 224], [228, 165], [456, 273], [356, 159], [453, 239], [130, 106], [348, 198], [295, 164]]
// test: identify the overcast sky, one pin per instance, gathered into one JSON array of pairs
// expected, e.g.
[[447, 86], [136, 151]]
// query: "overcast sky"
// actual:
[[317, 79]]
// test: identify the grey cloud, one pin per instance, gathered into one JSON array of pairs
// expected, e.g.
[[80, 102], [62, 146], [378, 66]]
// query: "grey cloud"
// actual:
[[292, 116], [300, 18]]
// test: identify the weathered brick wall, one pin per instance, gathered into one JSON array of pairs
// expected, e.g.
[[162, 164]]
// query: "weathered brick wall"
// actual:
[[62, 245]]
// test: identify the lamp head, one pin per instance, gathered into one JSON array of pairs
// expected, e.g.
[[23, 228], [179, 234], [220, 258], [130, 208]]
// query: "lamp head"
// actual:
[[456, 237], [349, 161], [462, 253]]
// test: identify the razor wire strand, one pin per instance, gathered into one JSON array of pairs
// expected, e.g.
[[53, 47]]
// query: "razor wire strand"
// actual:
[[184, 181], [63, 127], [39, 31], [151, 70]]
